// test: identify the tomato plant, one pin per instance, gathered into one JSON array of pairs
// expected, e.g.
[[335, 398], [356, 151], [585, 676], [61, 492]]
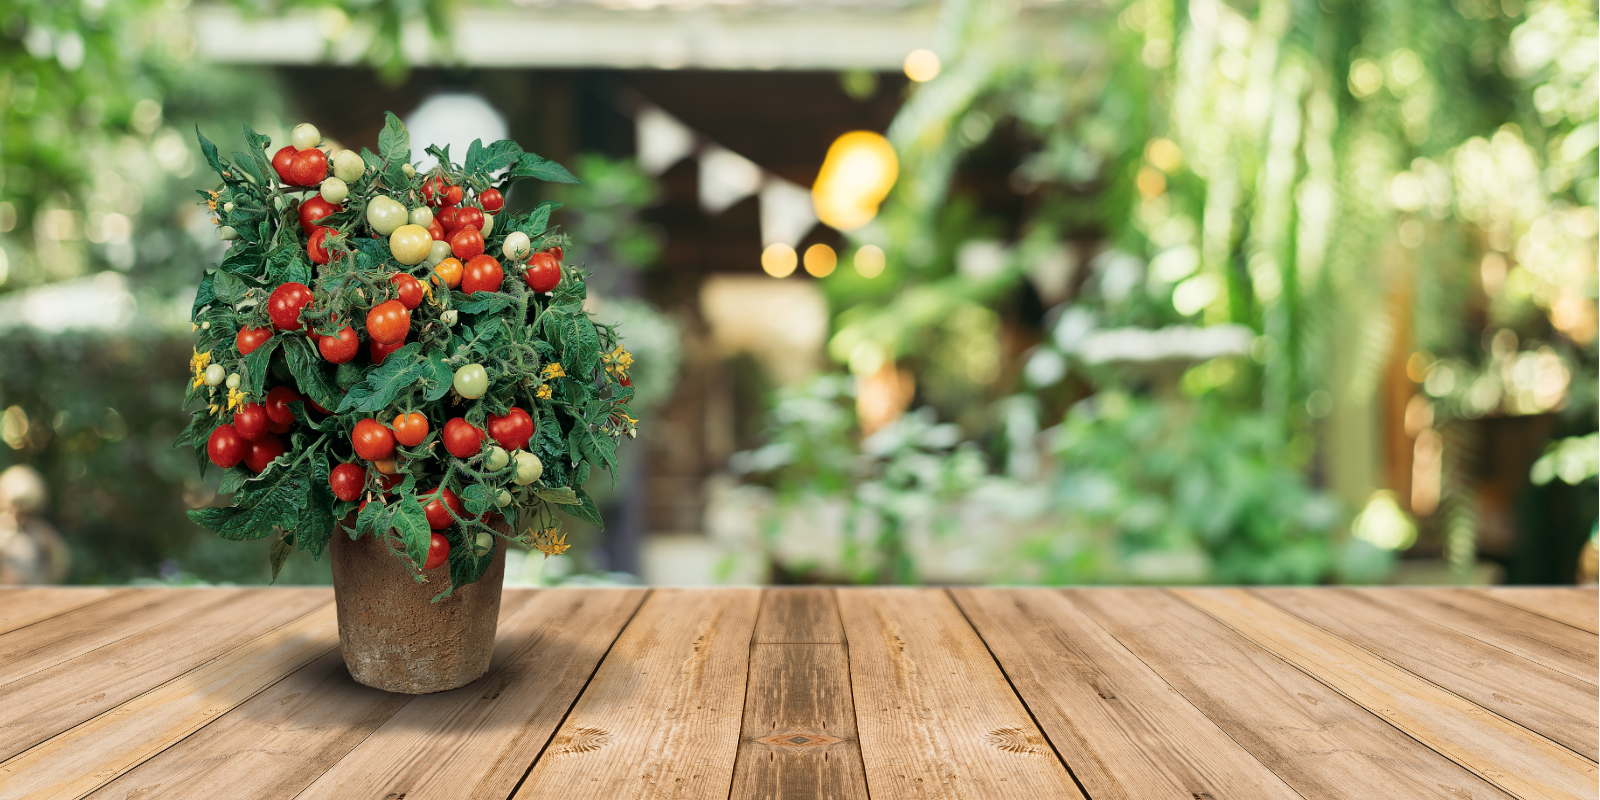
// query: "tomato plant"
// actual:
[[347, 481], [316, 246], [410, 429], [378, 351], [482, 274], [371, 440], [449, 271], [388, 322]]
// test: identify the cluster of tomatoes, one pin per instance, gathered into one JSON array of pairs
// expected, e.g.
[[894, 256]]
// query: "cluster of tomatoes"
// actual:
[[445, 233]]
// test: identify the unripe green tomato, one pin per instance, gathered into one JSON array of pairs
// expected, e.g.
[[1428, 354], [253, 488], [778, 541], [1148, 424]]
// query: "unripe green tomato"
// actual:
[[305, 135], [278, 202], [205, 326], [449, 317], [516, 246], [410, 171], [488, 224], [348, 166], [385, 215], [529, 468], [227, 207], [215, 374], [227, 233], [233, 380], [483, 543], [498, 459], [502, 499], [437, 253], [410, 244], [335, 190], [422, 215], [472, 381]]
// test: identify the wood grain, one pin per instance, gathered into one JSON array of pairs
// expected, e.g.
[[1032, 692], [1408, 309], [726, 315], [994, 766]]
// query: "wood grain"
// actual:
[[1503, 752], [1563, 709], [22, 607], [82, 630], [271, 746], [935, 714], [479, 740], [793, 616], [661, 717], [1568, 650], [94, 752], [55, 699], [799, 738], [1578, 607], [1318, 741], [1124, 731]]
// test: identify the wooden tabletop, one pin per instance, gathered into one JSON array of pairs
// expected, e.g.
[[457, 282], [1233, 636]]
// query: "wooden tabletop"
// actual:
[[817, 693]]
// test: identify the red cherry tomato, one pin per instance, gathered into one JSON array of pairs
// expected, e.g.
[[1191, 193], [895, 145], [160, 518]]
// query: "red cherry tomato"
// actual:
[[461, 439], [347, 480], [468, 216], [555, 252], [512, 430], [277, 403], [313, 209], [250, 421], [438, 516], [544, 272], [309, 167], [388, 322], [340, 349], [251, 338], [447, 220], [378, 352], [410, 429], [466, 243], [438, 552], [257, 455], [317, 246], [453, 195], [281, 161], [318, 406], [286, 303], [371, 440], [387, 482], [482, 274], [225, 447], [436, 231], [410, 290], [492, 200], [625, 381], [433, 190]]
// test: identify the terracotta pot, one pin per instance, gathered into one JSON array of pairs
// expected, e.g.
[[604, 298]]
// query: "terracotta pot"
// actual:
[[393, 638]]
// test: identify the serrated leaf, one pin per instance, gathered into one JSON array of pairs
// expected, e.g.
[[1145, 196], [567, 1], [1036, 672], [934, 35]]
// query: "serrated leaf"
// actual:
[[394, 142], [368, 519], [288, 264], [500, 155], [585, 509], [538, 219], [202, 296], [466, 566], [234, 479], [403, 369], [243, 161], [531, 165], [278, 503], [257, 141], [481, 302], [254, 381], [310, 372], [475, 152], [281, 548], [477, 498], [227, 287], [440, 381], [562, 495], [411, 523], [209, 150]]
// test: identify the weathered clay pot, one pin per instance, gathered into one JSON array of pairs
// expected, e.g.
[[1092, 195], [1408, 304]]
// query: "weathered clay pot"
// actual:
[[393, 638]]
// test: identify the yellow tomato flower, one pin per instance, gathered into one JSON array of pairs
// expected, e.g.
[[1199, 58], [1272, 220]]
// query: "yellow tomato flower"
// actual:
[[198, 364], [552, 542], [554, 371], [543, 393], [618, 361], [235, 398]]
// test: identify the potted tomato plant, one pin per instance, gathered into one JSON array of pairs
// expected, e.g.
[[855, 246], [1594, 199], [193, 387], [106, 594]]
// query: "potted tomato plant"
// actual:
[[393, 368]]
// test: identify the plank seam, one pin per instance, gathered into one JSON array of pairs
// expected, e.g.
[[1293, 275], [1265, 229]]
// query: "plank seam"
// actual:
[[1168, 684], [1020, 699], [579, 695], [1423, 678], [855, 713], [65, 611], [1358, 704], [744, 705], [1491, 596]]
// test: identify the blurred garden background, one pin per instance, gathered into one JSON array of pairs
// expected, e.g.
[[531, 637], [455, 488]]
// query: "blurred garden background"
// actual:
[[949, 291]]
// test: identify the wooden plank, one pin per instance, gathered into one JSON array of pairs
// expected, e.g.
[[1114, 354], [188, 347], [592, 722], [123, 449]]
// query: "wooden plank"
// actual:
[[1563, 709], [92, 753], [661, 716], [479, 741], [1125, 732], [22, 607], [273, 745], [1318, 741], [82, 630], [1508, 755], [1572, 605], [794, 616], [278, 742], [1542, 640], [935, 714], [55, 699], [799, 739]]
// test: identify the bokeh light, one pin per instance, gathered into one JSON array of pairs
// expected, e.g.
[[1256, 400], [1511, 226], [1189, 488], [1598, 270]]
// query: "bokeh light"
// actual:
[[922, 65], [870, 261], [857, 174], [779, 260], [820, 260]]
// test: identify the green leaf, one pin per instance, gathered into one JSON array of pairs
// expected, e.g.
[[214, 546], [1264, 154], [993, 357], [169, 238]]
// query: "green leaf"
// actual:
[[278, 503], [475, 153], [203, 296], [286, 264], [562, 495], [209, 150], [466, 566], [411, 523], [477, 498], [227, 287], [530, 165], [243, 161], [368, 519], [440, 381], [310, 372], [538, 219], [281, 548], [258, 142], [394, 142], [404, 369], [585, 510], [254, 381], [480, 302], [500, 155], [234, 479]]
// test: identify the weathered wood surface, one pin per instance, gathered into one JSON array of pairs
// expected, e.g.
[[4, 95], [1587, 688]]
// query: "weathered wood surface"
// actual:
[[780, 694]]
